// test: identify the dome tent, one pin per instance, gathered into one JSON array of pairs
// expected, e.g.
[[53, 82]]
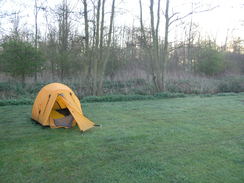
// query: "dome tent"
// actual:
[[57, 106]]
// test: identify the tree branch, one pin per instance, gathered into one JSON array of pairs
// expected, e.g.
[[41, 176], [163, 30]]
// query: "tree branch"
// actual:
[[190, 13]]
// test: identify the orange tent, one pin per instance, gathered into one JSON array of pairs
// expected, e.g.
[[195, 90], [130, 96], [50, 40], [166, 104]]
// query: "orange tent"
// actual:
[[57, 106]]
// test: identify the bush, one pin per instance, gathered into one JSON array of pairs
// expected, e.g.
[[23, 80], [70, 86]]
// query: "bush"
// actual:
[[231, 85], [168, 95], [106, 98], [9, 90], [226, 94], [192, 85], [210, 61], [16, 102], [140, 90], [122, 84], [35, 88], [115, 98], [20, 58]]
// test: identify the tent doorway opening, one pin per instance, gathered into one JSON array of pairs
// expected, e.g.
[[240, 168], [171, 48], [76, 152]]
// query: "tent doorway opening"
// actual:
[[60, 114]]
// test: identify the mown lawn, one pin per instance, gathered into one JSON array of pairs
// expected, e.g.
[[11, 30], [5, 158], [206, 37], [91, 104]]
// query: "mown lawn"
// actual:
[[188, 139]]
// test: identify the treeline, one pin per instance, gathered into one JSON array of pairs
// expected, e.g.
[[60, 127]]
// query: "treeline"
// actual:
[[104, 52]]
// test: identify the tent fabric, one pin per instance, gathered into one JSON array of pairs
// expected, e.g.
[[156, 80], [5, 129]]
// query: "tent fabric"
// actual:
[[52, 100]]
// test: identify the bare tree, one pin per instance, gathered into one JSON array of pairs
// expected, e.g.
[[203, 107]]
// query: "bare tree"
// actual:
[[36, 29], [64, 31], [87, 52], [100, 47], [153, 46], [87, 37], [170, 19], [107, 50], [95, 64]]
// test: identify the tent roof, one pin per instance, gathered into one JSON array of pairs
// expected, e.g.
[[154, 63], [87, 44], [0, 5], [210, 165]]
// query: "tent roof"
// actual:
[[56, 86]]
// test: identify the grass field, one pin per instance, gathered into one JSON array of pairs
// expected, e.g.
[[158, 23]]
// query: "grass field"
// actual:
[[190, 139]]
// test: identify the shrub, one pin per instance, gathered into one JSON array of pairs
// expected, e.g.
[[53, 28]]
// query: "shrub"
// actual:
[[210, 61], [114, 98], [23, 101], [168, 95], [20, 58], [232, 84], [122, 84], [192, 85], [226, 94]]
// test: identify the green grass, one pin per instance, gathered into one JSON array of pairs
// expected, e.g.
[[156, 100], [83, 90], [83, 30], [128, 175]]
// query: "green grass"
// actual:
[[192, 139]]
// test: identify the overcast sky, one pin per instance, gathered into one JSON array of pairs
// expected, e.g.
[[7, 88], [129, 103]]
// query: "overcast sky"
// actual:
[[226, 18]]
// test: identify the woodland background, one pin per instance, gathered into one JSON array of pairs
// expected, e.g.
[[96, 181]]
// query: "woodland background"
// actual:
[[104, 58]]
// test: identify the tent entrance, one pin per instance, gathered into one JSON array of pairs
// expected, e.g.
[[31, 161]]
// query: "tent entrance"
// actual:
[[61, 115], [65, 114]]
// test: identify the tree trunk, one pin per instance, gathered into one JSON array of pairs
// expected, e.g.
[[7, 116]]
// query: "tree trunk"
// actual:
[[36, 34], [87, 52], [86, 26], [64, 29], [107, 52], [157, 73], [95, 65], [166, 44], [100, 73]]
